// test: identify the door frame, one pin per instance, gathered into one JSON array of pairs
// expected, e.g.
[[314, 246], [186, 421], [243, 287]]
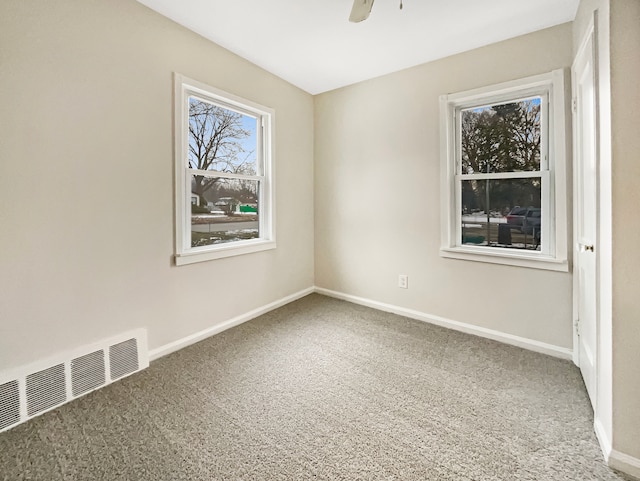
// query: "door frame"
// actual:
[[592, 32]]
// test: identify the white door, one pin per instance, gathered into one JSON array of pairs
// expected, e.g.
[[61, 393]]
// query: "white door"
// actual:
[[585, 198]]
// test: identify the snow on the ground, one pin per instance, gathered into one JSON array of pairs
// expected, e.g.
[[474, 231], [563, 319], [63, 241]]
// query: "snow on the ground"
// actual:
[[480, 217]]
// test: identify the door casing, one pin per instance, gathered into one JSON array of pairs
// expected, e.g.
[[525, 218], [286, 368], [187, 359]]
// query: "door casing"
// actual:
[[585, 258]]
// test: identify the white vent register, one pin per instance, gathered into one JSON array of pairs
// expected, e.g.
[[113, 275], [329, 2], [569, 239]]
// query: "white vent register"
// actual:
[[32, 390]]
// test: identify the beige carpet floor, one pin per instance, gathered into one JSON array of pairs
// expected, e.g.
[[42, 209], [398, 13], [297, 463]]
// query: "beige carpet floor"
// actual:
[[323, 389]]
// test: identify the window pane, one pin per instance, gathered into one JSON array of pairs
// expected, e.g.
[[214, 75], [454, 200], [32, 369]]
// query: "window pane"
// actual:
[[223, 210], [502, 213], [501, 138], [220, 139]]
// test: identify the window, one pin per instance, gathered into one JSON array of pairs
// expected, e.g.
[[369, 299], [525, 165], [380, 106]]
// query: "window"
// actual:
[[224, 174], [503, 173]]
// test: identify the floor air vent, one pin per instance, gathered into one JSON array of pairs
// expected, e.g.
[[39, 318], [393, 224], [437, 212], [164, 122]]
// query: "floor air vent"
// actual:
[[9, 404], [124, 358], [46, 389], [87, 373], [37, 388]]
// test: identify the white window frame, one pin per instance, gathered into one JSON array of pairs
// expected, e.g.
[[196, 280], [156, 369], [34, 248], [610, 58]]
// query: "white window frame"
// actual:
[[551, 88], [185, 87]]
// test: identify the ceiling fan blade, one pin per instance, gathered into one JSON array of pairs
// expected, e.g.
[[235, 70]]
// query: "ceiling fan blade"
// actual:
[[360, 10]]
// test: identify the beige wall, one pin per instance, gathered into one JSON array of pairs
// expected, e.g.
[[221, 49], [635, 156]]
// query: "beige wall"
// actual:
[[86, 180], [377, 184], [625, 105]]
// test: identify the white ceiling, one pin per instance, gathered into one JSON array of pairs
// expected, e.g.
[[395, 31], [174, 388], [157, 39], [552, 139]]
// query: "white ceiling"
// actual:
[[313, 45]]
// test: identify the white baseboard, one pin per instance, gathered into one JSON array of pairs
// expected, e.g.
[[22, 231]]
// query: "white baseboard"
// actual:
[[603, 439], [615, 459], [210, 331], [624, 463], [525, 343]]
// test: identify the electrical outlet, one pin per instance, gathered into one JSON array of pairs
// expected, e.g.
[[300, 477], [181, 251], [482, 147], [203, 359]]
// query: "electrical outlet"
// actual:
[[403, 281]]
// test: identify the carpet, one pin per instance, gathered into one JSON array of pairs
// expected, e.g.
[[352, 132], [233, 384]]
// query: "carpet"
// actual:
[[323, 389]]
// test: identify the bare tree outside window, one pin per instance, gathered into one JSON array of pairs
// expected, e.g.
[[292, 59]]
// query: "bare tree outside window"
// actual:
[[217, 142]]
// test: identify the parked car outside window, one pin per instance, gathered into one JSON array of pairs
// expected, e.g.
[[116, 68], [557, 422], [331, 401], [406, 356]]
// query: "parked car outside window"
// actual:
[[516, 216], [532, 222]]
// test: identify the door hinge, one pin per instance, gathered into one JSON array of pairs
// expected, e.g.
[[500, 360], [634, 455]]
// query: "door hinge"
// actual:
[[576, 325], [574, 105]]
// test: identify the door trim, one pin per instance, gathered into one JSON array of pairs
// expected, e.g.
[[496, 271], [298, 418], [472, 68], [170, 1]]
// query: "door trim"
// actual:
[[591, 33]]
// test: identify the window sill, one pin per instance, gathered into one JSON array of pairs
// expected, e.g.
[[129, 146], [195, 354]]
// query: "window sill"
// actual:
[[223, 251], [517, 259]]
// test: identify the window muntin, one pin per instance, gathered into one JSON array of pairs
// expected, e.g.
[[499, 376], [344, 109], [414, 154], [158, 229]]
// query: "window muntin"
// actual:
[[519, 174], [224, 193]]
